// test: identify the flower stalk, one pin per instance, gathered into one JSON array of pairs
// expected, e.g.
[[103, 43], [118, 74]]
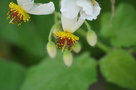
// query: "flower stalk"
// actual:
[[53, 30]]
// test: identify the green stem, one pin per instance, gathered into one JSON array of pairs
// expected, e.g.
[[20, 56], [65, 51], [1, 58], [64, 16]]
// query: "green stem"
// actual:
[[57, 22], [50, 34], [87, 25], [56, 16], [103, 47]]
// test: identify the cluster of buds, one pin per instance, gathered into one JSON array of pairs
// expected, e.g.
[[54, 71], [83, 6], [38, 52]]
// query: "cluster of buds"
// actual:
[[73, 15], [65, 41]]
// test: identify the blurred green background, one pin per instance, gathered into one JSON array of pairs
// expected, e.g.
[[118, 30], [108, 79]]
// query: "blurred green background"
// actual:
[[25, 64]]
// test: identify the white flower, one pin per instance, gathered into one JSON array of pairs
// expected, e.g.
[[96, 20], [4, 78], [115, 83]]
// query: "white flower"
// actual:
[[71, 24], [87, 9], [19, 13], [75, 12], [36, 8]]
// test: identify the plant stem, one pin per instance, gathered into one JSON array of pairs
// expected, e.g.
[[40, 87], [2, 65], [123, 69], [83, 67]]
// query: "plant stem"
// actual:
[[103, 47], [87, 25], [56, 16], [57, 22], [53, 27]]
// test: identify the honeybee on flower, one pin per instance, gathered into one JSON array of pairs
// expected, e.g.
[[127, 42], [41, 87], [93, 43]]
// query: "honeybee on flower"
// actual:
[[19, 13]]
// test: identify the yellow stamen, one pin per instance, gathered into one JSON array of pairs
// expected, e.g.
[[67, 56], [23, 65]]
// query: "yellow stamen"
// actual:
[[17, 14], [65, 40], [67, 35]]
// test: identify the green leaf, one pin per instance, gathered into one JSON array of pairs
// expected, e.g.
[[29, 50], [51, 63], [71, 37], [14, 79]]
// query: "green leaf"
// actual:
[[123, 28], [119, 67], [12, 75], [54, 75]]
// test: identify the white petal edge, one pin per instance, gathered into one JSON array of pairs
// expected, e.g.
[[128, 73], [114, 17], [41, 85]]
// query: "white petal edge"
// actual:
[[26, 4], [86, 6], [71, 25], [89, 12], [69, 8], [42, 9], [96, 10], [78, 23]]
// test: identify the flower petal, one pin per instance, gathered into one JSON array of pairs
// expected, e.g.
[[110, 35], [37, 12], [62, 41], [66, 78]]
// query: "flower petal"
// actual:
[[26, 4], [89, 11], [69, 8], [96, 10], [86, 6], [42, 9], [85, 16], [71, 25]]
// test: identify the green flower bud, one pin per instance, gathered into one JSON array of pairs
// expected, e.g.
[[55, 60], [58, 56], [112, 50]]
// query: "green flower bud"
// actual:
[[91, 38], [68, 58], [51, 49], [77, 47]]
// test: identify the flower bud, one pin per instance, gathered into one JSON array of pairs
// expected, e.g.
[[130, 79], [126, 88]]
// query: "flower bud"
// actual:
[[91, 38], [77, 47], [51, 49], [68, 58]]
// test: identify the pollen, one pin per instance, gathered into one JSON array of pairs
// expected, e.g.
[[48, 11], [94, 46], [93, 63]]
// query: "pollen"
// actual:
[[16, 14], [65, 40]]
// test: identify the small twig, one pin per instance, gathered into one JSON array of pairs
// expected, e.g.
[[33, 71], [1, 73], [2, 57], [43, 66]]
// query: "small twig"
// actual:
[[113, 10]]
